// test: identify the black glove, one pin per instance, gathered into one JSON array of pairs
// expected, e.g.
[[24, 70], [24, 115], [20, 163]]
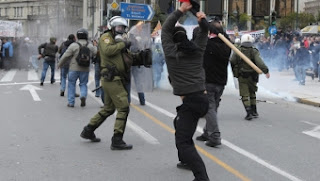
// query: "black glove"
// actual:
[[128, 44]]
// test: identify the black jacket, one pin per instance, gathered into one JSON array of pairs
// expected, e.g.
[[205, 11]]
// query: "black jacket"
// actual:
[[185, 70], [216, 59]]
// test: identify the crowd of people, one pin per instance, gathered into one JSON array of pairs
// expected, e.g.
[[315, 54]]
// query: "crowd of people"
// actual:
[[197, 71], [292, 51]]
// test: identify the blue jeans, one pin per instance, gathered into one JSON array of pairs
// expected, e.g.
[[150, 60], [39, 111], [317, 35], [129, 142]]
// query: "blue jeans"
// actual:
[[73, 76], [46, 65], [301, 71], [63, 76], [97, 78], [140, 94]]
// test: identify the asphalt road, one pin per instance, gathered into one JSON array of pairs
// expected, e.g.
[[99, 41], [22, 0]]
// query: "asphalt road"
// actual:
[[40, 138]]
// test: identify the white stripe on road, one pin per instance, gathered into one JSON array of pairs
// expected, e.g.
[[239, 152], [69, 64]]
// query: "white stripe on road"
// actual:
[[231, 146], [141, 132], [32, 75], [9, 76], [315, 132], [255, 158], [157, 108]]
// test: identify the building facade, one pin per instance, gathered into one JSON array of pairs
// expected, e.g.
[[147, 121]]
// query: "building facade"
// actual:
[[42, 19], [313, 7]]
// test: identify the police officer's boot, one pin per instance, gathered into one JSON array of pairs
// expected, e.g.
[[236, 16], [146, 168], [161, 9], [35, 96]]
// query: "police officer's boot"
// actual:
[[254, 111], [249, 113], [88, 133], [119, 144]]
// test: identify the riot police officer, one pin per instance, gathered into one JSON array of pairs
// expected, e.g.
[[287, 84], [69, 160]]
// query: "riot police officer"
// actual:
[[246, 75], [115, 73]]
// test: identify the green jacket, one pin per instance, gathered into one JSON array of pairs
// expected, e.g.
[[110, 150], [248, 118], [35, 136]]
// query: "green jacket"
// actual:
[[240, 66], [110, 53]]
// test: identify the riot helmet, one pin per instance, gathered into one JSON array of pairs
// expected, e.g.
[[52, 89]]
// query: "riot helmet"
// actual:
[[247, 40], [82, 33], [118, 25]]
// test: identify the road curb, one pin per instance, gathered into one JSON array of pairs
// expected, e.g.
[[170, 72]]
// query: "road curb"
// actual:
[[308, 102]]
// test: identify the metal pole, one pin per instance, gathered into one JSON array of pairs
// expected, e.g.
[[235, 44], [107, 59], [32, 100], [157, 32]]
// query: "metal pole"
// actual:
[[92, 6]]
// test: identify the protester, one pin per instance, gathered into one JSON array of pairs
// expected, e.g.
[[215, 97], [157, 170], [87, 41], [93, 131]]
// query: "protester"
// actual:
[[49, 54], [184, 61], [65, 67], [79, 68], [216, 60]]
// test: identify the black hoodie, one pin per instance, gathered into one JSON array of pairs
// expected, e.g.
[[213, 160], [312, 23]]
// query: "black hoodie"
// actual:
[[215, 61]]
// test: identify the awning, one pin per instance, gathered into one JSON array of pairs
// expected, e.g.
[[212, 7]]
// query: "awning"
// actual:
[[311, 29]]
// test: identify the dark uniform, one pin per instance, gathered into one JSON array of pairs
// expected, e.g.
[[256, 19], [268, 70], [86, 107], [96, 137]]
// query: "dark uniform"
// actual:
[[114, 75], [248, 77]]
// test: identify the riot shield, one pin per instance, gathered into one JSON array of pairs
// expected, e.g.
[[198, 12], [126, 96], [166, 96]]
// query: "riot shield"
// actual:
[[140, 38]]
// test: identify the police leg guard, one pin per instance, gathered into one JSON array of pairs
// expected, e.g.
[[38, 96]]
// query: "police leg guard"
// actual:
[[118, 143], [249, 113], [254, 111], [88, 133]]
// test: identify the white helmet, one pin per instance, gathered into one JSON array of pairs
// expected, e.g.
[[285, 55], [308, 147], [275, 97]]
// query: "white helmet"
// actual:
[[117, 21], [247, 38], [237, 41]]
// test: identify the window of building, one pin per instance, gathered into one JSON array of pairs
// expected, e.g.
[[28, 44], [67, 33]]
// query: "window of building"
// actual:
[[15, 12], [0, 11], [260, 8], [78, 11], [284, 7], [39, 10], [5, 11]]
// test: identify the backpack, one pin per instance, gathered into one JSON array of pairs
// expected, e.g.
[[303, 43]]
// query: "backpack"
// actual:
[[83, 58]]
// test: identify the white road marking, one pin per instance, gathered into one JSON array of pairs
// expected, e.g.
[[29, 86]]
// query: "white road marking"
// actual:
[[23, 83], [32, 89], [315, 132], [9, 76], [141, 132], [32, 75], [232, 146]]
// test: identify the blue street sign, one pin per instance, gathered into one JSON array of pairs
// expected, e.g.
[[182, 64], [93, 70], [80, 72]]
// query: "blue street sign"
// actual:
[[136, 11], [272, 30]]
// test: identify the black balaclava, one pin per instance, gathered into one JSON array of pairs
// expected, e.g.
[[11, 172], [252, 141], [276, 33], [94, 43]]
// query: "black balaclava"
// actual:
[[181, 39]]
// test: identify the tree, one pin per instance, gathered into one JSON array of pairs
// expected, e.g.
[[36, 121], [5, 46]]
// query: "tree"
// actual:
[[298, 20]]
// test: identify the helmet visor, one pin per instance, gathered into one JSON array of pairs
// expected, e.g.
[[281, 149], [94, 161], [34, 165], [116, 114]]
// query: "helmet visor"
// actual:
[[120, 29]]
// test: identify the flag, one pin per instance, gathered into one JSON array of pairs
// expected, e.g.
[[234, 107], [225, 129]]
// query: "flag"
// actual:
[[156, 29], [182, 1]]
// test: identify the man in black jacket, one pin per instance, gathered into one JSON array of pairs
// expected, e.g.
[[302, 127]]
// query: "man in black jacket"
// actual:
[[65, 67], [215, 64], [184, 61], [49, 55]]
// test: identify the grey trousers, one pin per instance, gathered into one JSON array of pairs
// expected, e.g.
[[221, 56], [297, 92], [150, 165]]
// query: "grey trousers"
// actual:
[[215, 91]]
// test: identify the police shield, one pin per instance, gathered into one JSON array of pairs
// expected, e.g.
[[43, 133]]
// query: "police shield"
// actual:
[[140, 38]]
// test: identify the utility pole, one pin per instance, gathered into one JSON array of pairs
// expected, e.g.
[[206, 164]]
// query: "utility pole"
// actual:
[[92, 12]]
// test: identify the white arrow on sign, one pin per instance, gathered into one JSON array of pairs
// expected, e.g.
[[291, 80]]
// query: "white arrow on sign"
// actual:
[[32, 89]]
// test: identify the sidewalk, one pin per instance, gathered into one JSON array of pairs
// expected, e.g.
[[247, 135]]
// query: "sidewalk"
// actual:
[[283, 85]]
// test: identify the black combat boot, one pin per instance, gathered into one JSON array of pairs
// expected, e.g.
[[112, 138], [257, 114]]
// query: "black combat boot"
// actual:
[[254, 111], [119, 144], [88, 133], [249, 113]]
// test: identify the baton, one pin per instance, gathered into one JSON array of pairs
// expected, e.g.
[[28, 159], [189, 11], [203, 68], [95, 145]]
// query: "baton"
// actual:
[[96, 88]]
